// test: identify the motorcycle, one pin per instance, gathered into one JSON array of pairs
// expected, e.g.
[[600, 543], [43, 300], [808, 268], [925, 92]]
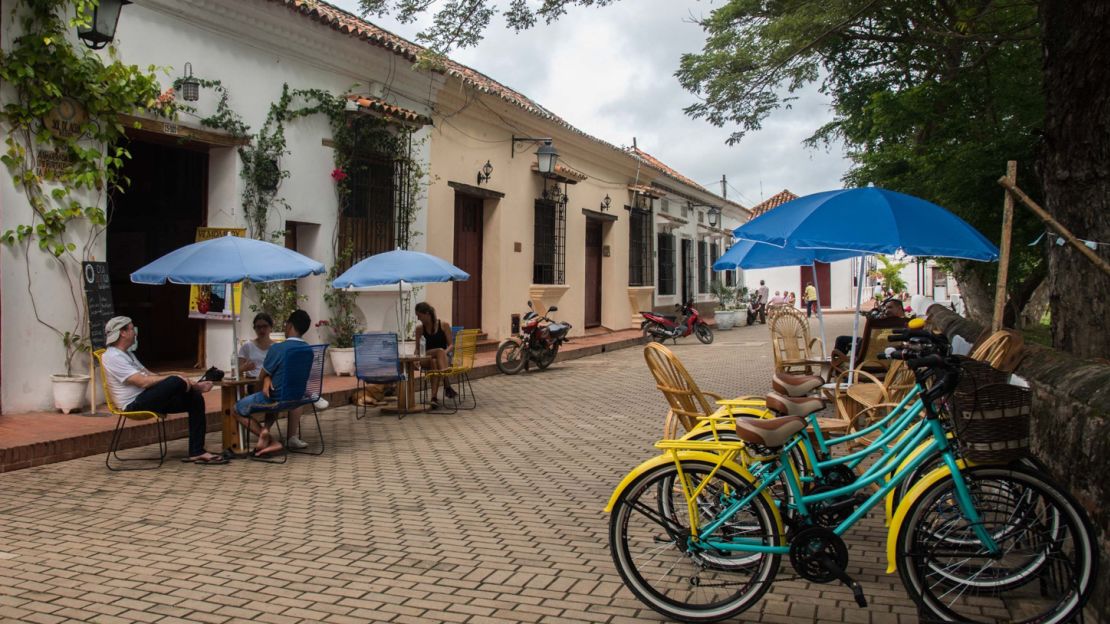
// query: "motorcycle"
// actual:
[[538, 341], [757, 311], [660, 327]]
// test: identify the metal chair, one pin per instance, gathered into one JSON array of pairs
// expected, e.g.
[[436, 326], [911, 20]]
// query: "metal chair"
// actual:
[[123, 417], [302, 365], [462, 362], [377, 361]]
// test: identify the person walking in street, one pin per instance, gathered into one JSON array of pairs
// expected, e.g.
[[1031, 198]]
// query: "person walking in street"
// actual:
[[810, 299], [135, 389]]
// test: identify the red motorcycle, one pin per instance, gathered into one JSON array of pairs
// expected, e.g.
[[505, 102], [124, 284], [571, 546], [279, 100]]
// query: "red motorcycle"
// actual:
[[538, 341], [660, 327]]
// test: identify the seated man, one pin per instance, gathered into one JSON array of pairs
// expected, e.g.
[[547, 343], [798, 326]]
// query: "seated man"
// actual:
[[135, 389], [272, 377]]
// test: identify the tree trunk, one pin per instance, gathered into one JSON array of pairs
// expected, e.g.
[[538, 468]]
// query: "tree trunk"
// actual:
[[1075, 167], [978, 298]]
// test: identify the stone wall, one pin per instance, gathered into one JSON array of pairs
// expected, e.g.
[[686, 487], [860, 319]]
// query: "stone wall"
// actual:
[[1070, 429]]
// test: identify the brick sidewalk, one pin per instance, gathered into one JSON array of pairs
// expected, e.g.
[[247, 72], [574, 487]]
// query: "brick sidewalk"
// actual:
[[493, 515]]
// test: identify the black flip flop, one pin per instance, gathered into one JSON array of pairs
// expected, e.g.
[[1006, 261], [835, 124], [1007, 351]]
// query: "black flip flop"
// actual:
[[215, 460]]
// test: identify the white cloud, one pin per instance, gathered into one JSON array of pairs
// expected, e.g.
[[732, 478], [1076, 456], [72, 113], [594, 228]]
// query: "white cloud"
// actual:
[[610, 72]]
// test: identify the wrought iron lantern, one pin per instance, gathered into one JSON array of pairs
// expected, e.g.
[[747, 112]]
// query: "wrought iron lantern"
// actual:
[[546, 157], [605, 203], [484, 174], [101, 29], [714, 216], [190, 86]]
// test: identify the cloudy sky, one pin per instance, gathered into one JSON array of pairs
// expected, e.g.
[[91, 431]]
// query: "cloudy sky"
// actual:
[[610, 72]]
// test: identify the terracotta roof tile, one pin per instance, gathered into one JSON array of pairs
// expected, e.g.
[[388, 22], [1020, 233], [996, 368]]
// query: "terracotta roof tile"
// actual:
[[388, 110], [643, 189], [658, 165], [774, 202]]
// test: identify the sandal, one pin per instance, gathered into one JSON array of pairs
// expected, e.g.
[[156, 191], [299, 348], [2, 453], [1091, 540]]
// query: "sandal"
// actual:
[[214, 460]]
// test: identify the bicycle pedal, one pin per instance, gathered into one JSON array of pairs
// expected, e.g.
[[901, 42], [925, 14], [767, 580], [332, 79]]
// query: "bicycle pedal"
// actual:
[[837, 571], [857, 591]]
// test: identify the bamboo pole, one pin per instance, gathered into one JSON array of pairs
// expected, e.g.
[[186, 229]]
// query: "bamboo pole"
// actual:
[[1056, 225], [1004, 249]]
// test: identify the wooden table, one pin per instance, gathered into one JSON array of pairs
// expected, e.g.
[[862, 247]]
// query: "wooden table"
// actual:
[[406, 389], [234, 435]]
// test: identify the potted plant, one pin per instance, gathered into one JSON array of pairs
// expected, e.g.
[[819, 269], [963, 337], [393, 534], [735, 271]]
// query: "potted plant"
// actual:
[[69, 389], [343, 325], [724, 314], [279, 300]]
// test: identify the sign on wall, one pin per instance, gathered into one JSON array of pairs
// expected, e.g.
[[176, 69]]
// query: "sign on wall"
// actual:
[[213, 302]]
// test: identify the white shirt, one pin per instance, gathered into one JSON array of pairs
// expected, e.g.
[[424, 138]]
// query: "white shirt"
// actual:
[[118, 366], [254, 353]]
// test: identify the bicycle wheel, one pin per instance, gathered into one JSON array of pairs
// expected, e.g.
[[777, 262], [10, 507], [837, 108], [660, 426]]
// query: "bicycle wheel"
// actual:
[[1046, 567], [659, 565], [511, 357]]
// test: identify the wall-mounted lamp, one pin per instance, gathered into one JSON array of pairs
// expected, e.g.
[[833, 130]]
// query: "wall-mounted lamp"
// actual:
[[546, 155], [190, 86], [714, 216], [484, 174], [606, 202], [102, 27]]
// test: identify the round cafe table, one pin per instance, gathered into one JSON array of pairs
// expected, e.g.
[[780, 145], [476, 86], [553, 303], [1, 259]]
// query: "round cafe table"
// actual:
[[406, 388]]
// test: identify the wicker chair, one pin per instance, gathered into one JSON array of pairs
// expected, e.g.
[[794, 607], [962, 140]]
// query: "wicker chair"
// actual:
[[873, 341], [795, 352], [869, 398], [687, 401], [1003, 350]]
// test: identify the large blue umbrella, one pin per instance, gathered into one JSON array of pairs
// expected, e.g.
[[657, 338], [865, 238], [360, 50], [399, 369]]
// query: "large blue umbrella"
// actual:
[[397, 267], [401, 265], [228, 260], [870, 220]]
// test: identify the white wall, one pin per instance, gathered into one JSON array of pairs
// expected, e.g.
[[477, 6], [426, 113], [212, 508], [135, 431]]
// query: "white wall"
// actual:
[[252, 47]]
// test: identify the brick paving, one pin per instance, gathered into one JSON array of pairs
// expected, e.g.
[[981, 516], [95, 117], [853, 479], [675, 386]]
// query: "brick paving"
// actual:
[[493, 515]]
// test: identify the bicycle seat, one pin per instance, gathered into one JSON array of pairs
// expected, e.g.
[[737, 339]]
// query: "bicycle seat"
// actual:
[[795, 385], [788, 406], [769, 432]]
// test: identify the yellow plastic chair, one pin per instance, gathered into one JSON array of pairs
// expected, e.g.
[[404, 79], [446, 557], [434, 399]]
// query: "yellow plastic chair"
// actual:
[[462, 363], [123, 417]]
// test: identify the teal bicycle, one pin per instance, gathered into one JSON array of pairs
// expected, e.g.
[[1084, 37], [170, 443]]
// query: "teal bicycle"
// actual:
[[697, 535]]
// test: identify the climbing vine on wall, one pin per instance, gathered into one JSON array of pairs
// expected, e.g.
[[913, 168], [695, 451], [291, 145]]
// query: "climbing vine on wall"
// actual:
[[63, 138]]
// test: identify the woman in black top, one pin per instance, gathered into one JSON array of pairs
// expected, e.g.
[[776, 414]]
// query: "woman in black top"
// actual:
[[437, 339]]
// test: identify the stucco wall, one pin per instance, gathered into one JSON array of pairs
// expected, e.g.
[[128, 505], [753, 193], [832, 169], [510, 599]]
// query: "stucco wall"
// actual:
[[253, 48]]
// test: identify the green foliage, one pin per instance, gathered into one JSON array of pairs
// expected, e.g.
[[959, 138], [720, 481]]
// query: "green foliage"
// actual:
[[64, 174], [891, 272], [278, 299], [724, 294], [344, 323]]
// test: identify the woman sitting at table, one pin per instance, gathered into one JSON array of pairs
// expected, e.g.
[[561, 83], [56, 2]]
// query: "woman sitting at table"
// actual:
[[251, 356], [437, 341]]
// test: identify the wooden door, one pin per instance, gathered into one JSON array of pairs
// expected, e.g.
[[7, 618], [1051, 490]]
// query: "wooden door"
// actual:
[[593, 273], [824, 295], [467, 299]]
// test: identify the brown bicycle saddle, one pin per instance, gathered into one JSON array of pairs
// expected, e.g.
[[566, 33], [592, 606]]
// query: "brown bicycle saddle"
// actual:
[[795, 385], [789, 406], [769, 432]]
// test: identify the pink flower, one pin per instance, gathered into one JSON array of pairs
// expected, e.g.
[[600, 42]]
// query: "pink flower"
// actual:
[[338, 175]]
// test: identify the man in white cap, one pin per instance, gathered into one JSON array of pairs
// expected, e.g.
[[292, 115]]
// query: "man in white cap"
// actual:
[[134, 388]]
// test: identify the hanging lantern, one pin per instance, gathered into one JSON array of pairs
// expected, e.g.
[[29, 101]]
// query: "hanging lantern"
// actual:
[[101, 29], [190, 86]]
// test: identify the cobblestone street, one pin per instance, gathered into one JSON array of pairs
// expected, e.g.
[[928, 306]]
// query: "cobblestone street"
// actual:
[[494, 515]]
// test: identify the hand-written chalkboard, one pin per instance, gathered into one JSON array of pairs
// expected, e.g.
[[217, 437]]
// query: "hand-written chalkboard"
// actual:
[[98, 293]]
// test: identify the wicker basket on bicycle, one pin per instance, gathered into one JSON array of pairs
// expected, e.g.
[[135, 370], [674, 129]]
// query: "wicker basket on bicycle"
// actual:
[[991, 416]]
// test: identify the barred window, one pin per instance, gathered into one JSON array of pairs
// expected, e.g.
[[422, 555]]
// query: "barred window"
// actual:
[[703, 273], [714, 253], [639, 249], [666, 264], [368, 217], [549, 262]]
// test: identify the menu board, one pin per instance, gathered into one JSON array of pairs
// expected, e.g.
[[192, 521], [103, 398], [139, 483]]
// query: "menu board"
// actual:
[[98, 294]]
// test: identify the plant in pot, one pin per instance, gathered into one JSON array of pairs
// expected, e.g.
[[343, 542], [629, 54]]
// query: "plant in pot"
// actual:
[[343, 325], [279, 300], [724, 314]]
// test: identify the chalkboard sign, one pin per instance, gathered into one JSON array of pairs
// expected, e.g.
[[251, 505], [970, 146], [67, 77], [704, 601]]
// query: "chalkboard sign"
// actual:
[[98, 292]]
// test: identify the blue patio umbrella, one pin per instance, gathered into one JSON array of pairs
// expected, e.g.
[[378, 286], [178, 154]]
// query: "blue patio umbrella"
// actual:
[[869, 220], [397, 267], [228, 260]]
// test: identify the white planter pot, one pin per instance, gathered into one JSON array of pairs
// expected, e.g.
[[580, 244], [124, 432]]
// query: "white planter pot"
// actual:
[[277, 336], [69, 391], [342, 360], [407, 347], [726, 319]]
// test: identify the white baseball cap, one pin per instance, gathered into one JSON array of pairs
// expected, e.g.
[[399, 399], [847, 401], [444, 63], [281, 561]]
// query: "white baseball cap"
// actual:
[[113, 327]]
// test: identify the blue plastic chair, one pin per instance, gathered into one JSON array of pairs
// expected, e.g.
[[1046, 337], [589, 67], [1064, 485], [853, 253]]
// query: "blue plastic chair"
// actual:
[[377, 361], [303, 384]]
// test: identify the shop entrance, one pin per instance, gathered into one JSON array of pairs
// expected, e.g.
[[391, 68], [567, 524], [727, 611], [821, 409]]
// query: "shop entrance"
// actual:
[[158, 213]]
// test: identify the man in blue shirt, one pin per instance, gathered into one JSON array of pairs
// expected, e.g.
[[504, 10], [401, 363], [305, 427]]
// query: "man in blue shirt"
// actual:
[[272, 377]]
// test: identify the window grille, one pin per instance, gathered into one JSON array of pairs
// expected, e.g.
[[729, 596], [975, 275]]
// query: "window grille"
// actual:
[[549, 261], [714, 253], [703, 281], [368, 222], [639, 249], [666, 264], [685, 210], [665, 205]]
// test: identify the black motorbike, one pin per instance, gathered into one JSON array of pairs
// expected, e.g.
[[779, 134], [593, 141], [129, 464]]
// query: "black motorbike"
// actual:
[[538, 341]]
